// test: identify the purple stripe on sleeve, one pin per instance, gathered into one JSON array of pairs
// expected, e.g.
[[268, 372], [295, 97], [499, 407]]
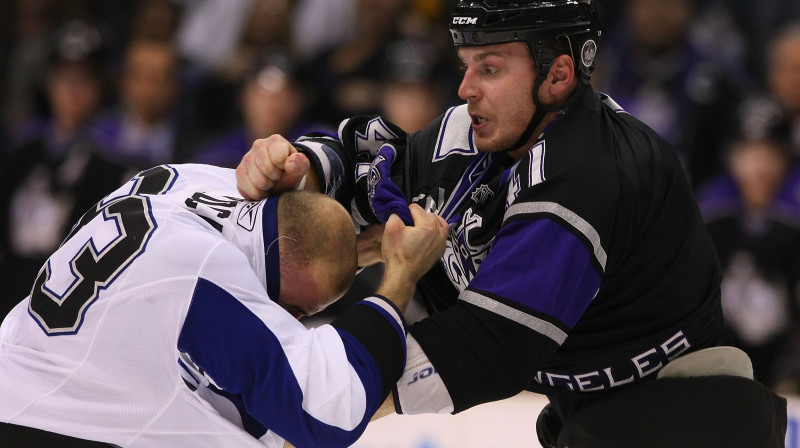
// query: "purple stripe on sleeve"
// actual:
[[543, 267]]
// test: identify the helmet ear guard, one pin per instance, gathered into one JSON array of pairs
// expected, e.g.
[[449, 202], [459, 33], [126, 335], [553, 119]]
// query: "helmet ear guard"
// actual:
[[539, 24]]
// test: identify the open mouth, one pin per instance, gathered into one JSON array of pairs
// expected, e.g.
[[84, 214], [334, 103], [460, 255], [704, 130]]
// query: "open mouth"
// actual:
[[477, 120]]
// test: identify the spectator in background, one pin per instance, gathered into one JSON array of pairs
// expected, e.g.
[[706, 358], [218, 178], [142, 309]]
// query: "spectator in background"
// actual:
[[347, 77], [32, 22], [271, 102], [210, 30], [784, 77], [145, 129], [658, 73], [413, 88], [755, 226], [6, 42], [213, 105], [757, 22], [265, 27], [55, 175], [156, 20], [320, 25]]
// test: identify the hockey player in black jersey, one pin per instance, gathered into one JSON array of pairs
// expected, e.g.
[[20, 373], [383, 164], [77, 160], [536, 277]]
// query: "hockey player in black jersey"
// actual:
[[577, 264]]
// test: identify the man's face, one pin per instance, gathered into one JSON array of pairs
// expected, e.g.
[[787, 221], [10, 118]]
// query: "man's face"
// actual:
[[150, 84], [271, 104], [309, 294], [784, 73], [660, 24], [497, 86], [758, 167], [308, 287], [74, 92]]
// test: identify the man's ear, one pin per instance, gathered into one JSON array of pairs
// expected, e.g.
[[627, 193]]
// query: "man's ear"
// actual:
[[561, 77]]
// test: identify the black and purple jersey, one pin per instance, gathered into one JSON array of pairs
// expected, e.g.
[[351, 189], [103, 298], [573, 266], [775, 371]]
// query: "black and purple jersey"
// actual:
[[582, 267]]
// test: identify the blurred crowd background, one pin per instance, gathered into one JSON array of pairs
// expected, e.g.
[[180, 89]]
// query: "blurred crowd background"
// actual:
[[92, 91]]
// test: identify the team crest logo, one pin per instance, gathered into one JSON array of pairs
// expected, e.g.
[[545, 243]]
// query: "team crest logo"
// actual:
[[588, 52], [482, 194]]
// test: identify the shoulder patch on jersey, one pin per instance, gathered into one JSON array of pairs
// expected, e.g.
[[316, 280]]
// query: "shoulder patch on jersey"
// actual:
[[455, 134], [374, 136]]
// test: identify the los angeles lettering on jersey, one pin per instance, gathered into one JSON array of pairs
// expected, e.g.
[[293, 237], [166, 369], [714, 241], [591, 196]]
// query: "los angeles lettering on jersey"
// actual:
[[619, 374]]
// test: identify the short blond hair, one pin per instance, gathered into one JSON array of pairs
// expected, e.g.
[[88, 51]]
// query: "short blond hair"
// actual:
[[315, 231]]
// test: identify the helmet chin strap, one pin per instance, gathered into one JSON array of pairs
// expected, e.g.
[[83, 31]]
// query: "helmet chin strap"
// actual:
[[541, 109]]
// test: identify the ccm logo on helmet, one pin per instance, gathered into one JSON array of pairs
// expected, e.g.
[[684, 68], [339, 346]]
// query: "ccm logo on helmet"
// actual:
[[465, 20]]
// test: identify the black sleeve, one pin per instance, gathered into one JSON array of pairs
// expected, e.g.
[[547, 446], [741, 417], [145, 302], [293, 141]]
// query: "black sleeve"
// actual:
[[480, 355], [349, 168], [380, 328]]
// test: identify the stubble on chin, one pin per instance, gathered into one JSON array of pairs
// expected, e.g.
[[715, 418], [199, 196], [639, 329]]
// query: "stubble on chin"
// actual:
[[492, 145]]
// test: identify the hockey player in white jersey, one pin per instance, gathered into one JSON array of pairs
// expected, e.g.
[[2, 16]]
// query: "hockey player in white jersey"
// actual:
[[168, 318]]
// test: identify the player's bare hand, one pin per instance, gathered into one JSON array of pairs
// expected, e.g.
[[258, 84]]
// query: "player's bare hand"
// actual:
[[414, 249], [272, 166], [369, 245]]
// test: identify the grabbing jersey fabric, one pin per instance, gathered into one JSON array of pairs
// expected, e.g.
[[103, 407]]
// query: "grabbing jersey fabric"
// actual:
[[154, 324], [581, 268]]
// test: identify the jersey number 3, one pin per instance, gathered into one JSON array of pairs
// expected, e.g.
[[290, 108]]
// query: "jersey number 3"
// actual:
[[100, 246]]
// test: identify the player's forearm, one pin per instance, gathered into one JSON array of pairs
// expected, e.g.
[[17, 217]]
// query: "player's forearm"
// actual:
[[397, 285], [409, 251]]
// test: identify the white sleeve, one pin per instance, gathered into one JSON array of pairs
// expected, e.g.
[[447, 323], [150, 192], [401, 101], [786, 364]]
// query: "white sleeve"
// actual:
[[420, 390], [314, 387]]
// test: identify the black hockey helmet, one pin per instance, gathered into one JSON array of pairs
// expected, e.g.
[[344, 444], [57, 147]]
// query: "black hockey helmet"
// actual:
[[538, 23]]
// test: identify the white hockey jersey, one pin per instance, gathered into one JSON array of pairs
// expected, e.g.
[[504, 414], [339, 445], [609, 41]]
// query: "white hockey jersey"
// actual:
[[152, 326]]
